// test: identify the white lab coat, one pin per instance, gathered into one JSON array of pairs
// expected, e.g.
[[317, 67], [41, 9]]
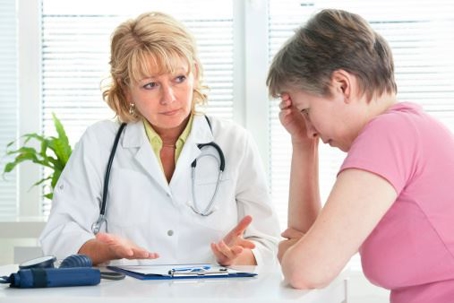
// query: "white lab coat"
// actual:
[[143, 207]]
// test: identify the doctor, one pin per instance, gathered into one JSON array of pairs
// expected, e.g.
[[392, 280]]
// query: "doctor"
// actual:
[[159, 205]]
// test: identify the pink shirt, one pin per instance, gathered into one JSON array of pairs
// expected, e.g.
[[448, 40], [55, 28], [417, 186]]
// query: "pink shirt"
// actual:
[[411, 250]]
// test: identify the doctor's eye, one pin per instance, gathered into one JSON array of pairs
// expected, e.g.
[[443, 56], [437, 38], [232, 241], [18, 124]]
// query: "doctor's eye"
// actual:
[[180, 79], [150, 85]]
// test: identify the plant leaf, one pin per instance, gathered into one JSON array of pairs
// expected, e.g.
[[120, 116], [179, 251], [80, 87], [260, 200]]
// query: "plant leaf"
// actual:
[[22, 150], [62, 148], [9, 167], [55, 177], [41, 181]]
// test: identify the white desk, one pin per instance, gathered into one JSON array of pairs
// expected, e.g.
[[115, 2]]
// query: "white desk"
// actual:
[[266, 287]]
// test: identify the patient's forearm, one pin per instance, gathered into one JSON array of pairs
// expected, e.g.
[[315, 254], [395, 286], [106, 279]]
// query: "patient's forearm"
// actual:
[[304, 195]]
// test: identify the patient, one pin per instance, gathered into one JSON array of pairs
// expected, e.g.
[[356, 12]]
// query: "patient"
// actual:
[[391, 200]]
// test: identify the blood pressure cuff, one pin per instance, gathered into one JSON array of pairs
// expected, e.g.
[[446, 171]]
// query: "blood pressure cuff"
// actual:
[[53, 277]]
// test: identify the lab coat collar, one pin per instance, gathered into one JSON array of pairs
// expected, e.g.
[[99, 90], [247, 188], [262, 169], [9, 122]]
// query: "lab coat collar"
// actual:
[[135, 135], [135, 138], [200, 133]]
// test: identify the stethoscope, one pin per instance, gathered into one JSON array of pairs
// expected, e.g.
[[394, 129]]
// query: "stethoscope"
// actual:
[[209, 209]]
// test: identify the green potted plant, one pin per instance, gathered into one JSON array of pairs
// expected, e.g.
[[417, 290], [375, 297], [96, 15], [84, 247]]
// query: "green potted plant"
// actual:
[[53, 154]]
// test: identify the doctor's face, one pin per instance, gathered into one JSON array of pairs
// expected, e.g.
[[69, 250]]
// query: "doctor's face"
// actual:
[[165, 100]]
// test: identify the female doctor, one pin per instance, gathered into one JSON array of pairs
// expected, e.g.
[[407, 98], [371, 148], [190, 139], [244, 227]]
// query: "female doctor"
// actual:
[[169, 196]]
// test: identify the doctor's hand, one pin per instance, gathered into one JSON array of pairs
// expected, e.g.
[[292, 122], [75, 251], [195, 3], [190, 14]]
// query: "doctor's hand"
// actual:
[[122, 248], [234, 249], [291, 236]]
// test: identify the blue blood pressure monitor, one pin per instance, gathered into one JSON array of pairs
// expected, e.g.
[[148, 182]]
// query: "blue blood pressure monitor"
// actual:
[[75, 270]]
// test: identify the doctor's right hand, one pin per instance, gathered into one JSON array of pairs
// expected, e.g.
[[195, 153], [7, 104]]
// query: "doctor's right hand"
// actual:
[[121, 248], [106, 247]]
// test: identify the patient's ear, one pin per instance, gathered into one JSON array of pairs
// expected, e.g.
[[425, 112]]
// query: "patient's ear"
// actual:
[[343, 82]]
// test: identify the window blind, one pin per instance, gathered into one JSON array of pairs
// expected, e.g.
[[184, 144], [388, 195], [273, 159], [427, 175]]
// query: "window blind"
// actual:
[[8, 102], [75, 56], [421, 37]]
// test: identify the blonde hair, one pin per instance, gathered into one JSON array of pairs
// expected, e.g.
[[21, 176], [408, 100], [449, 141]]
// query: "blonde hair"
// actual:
[[333, 40], [152, 43]]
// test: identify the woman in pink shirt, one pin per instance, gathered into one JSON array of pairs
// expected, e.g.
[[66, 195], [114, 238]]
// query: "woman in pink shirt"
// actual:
[[393, 199]]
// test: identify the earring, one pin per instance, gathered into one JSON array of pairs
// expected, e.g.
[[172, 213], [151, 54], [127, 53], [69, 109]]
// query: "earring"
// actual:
[[132, 109]]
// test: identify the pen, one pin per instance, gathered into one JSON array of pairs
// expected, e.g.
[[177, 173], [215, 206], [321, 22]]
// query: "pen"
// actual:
[[191, 269]]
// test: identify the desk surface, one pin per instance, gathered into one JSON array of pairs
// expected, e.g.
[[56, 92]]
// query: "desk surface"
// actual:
[[265, 287]]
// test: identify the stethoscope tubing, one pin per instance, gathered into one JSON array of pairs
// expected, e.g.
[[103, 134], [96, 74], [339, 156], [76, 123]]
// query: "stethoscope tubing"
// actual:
[[102, 213], [109, 167], [209, 209], [221, 161]]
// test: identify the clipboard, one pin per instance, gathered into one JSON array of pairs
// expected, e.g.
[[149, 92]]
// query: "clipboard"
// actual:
[[180, 271]]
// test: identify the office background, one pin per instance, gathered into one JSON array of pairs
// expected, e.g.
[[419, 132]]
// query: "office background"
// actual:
[[55, 53]]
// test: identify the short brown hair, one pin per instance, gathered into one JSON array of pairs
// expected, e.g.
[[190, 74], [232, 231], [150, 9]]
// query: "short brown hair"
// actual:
[[151, 41], [333, 40]]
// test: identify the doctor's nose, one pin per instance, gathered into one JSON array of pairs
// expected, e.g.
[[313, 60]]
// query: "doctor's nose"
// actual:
[[168, 95]]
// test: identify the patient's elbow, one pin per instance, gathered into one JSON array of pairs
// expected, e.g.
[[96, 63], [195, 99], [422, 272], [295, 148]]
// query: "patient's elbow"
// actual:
[[305, 277], [299, 281]]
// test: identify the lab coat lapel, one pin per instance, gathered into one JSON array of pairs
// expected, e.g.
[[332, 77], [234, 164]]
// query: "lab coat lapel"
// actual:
[[200, 133], [136, 140]]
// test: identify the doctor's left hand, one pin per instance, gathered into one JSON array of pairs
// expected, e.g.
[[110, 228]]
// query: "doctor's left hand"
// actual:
[[124, 248], [234, 249]]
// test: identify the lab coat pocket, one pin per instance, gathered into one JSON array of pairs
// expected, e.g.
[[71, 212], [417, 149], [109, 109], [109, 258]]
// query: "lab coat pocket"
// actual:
[[128, 198], [209, 189], [218, 197]]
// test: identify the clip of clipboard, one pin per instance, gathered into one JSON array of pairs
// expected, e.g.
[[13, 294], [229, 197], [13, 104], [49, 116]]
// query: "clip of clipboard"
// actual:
[[168, 272]]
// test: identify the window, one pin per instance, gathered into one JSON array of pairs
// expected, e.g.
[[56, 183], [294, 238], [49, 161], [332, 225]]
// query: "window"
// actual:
[[8, 98], [237, 39]]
